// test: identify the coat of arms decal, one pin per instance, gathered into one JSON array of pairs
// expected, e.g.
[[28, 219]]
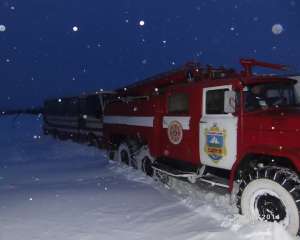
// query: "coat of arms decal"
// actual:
[[215, 143]]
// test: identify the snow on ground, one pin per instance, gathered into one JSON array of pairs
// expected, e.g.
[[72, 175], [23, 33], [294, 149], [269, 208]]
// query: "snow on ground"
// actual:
[[51, 189]]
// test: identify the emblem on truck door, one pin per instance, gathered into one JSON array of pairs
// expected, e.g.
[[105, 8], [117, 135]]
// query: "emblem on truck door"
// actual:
[[215, 143], [175, 133]]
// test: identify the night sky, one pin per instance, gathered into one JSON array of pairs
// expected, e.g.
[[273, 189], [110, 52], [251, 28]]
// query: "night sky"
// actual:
[[41, 55]]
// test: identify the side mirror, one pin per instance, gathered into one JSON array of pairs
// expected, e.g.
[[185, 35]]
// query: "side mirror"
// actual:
[[229, 101]]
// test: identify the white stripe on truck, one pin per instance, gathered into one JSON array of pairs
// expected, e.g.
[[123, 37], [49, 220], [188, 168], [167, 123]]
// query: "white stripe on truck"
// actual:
[[129, 120], [184, 121], [146, 121]]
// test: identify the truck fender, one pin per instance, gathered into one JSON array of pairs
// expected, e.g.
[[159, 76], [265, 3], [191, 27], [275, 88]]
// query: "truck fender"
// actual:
[[292, 154]]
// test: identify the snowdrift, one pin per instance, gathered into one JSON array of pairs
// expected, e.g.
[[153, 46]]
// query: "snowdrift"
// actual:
[[62, 190]]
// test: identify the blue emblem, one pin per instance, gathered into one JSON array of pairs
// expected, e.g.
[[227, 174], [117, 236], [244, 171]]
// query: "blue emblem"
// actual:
[[215, 143]]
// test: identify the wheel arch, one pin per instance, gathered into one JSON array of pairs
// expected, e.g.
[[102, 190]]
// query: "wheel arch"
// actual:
[[280, 158], [117, 139]]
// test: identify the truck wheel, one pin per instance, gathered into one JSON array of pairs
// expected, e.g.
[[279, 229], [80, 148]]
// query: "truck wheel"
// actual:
[[45, 131], [62, 136], [133, 163], [147, 166], [271, 194], [111, 155], [93, 140], [124, 155], [55, 134]]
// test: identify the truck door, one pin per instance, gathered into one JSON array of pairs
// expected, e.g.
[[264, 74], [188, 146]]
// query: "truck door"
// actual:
[[218, 130], [176, 124]]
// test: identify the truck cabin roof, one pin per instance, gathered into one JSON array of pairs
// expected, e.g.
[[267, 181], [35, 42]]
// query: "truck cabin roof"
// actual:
[[266, 79]]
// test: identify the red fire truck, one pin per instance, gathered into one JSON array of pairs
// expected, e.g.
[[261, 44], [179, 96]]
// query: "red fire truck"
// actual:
[[233, 129]]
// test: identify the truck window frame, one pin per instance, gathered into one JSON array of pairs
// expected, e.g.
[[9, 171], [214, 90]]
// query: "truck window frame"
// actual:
[[204, 98]]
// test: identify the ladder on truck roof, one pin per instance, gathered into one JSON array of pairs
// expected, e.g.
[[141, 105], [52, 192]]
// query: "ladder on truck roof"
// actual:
[[193, 71], [189, 72], [248, 65]]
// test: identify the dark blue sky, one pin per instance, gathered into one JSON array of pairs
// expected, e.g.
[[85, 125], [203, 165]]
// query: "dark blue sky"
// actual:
[[41, 56]]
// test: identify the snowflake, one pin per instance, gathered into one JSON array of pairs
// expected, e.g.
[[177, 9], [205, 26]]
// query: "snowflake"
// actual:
[[2, 28], [75, 28], [277, 29], [142, 23]]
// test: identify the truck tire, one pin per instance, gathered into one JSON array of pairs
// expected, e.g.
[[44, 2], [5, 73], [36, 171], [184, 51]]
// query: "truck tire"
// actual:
[[124, 155], [93, 140], [271, 194], [147, 166]]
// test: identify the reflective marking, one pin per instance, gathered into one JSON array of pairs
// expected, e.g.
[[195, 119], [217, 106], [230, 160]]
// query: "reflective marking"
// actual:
[[283, 182], [292, 190], [129, 120], [266, 173], [62, 129], [275, 176]]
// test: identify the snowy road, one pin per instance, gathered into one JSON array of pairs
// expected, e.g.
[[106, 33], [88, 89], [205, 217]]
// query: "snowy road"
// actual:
[[62, 190]]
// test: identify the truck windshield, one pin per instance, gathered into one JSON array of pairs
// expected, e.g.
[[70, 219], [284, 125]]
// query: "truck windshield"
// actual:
[[268, 95]]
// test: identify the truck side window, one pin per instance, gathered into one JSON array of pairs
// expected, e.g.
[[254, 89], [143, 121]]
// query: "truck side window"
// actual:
[[178, 103], [215, 101]]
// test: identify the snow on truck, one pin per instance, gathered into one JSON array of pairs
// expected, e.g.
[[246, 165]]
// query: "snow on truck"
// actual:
[[233, 129]]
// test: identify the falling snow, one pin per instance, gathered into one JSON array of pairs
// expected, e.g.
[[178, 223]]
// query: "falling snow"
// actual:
[[36, 137], [2, 28], [142, 23], [75, 29], [277, 29], [128, 35]]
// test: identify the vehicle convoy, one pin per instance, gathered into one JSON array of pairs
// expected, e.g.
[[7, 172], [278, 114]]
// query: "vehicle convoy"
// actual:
[[236, 130], [233, 129], [78, 117]]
